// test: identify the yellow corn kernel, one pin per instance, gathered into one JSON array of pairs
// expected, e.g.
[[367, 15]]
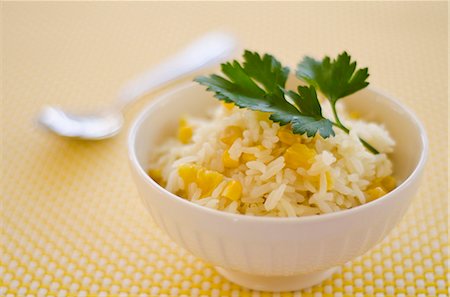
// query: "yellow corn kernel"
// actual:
[[227, 106], [354, 115], [375, 193], [388, 183], [315, 180], [208, 180], [261, 147], [156, 175], [185, 134], [287, 137], [228, 162], [182, 122], [233, 190], [184, 131], [262, 116], [247, 157], [188, 172], [230, 134], [299, 155], [278, 151], [182, 194], [330, 180]]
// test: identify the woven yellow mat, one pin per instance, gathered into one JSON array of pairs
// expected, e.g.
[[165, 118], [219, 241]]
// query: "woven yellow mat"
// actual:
[[72, 223]]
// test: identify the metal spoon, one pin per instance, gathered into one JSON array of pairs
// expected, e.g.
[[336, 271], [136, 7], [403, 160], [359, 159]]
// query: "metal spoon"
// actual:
[[205, 51]]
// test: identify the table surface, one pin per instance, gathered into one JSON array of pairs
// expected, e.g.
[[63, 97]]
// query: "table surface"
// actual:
[[72, 221]]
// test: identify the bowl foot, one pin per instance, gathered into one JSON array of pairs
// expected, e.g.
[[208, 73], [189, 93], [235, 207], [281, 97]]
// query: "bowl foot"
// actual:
[[276, 283]]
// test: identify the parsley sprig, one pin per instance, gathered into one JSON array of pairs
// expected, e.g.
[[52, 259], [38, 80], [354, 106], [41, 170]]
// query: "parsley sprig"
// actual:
[[260, 84], [335, 79]]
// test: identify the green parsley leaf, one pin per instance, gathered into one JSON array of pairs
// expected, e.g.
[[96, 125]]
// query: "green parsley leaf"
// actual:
[[311, 119], [334, 78], [267, 70], [306, 100], [256, 85], [259, 85]]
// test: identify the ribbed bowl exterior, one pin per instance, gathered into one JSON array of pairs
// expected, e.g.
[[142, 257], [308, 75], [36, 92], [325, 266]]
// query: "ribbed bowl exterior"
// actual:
[[276, 246]]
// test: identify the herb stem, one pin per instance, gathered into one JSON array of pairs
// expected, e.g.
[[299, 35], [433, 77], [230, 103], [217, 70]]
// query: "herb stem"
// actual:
[[339, 124], [369, 147], [336, 117]]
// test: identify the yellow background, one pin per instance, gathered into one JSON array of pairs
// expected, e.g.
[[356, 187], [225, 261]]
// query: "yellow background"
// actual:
[[72, 221]]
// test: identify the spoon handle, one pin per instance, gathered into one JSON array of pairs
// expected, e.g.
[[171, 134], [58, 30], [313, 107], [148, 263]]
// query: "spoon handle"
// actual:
[[206, 51]]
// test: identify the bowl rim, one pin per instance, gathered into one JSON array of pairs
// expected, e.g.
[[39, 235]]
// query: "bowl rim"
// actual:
[[131, 140]]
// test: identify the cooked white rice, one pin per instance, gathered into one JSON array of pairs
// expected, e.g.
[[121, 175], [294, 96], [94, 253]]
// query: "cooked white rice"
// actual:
[[339, 177]]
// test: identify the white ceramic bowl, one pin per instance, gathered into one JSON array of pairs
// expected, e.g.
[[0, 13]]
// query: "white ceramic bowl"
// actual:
[[276, 254]]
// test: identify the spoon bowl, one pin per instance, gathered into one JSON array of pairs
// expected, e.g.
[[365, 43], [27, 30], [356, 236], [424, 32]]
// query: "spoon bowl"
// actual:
[[206, 51], [89, 127]]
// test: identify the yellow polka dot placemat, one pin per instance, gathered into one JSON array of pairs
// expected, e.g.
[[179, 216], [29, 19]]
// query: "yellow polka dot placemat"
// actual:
[[72, 223]]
